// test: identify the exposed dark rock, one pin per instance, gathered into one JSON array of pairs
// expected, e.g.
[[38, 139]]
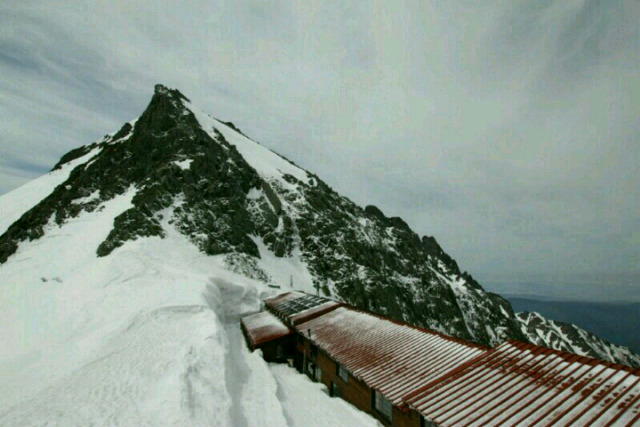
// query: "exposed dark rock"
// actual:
[[373, 211], [124, 131], [74, 154], [234, 127]]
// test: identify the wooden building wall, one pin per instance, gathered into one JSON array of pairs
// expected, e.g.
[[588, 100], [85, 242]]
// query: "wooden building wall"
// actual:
[[409, 418], [353, 390], [271, 352]]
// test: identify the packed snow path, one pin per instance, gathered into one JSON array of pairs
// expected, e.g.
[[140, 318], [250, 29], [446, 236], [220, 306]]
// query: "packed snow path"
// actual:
[[154, 373], [144, 337], [147, 336], [292, 399], [247, 406]]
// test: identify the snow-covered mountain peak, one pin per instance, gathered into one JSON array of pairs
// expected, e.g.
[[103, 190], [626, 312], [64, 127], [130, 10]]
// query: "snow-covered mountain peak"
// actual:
[[176, 176]]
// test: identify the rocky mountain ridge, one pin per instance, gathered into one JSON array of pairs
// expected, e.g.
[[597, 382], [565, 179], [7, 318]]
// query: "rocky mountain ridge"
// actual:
[[274, 222], [571, 338]]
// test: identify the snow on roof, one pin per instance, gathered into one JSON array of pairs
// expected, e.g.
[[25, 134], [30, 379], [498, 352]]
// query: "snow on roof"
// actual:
[[391, 357], [263, 327], [525, 384], [299, 306], [451, 381], [313, 312], [283, 298]]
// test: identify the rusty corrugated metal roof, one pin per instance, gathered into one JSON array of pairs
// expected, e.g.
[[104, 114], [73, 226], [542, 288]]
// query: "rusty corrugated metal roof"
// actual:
[[525, 384], [392, 357], [453, 382], [264, 327]]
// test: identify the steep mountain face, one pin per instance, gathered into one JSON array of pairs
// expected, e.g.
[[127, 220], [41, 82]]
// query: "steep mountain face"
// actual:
[[270, 220]]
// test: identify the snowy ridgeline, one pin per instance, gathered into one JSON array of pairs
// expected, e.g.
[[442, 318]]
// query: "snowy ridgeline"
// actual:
[[145, 336]]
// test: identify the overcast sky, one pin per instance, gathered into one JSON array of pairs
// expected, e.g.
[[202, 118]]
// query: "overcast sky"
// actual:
[[507, 129]]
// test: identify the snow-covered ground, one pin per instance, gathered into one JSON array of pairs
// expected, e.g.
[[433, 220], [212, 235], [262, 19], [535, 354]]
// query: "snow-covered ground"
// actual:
[[307, 403], [148, 335], [267, 163], [18, 201]]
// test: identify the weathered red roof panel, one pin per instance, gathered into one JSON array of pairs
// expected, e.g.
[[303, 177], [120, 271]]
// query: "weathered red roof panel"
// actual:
[[529, 385], [454, 382], [263, 327], [391, 357]]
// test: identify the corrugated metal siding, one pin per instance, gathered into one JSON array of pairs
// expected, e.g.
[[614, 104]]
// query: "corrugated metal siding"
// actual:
[[524, 384], [263, 327], [391, 357]]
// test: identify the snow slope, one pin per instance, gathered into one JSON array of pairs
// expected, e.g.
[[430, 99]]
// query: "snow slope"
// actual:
[[18, 201], [266, 162], [146, 336], [302, 406]]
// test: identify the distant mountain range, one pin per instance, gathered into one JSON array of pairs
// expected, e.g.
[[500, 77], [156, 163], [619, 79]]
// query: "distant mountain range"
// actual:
[[618, 322], [622, 287]]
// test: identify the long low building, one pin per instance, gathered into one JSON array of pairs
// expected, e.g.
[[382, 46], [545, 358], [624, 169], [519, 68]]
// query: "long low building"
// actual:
[[374, 362], [409, 376]]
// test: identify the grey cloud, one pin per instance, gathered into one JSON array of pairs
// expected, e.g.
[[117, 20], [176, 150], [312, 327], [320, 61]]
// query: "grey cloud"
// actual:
[[507, 129]]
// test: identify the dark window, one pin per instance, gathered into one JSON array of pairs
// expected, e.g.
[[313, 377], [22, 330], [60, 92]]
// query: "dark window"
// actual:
[[279, 352], [381, 404], [342, 372], [335, 390], [314, 371], [424, 422]]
